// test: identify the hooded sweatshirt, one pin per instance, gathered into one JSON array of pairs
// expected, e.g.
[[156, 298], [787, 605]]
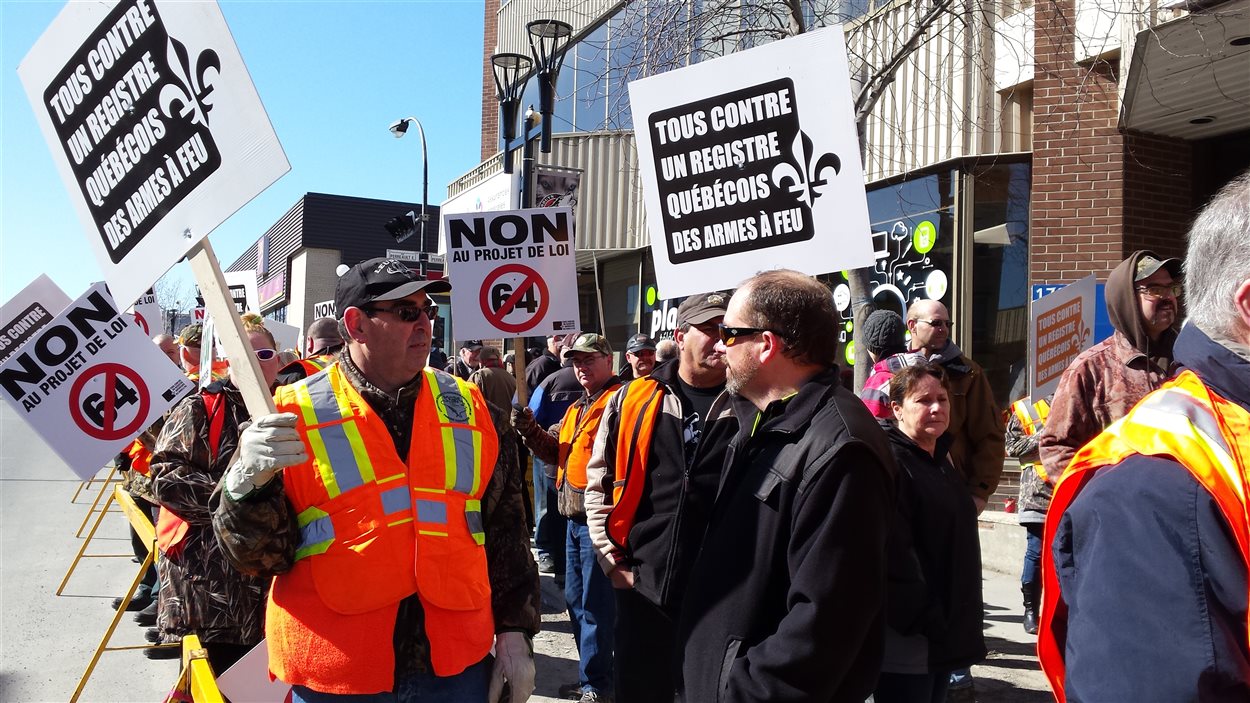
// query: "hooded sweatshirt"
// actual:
[[1105, 381]]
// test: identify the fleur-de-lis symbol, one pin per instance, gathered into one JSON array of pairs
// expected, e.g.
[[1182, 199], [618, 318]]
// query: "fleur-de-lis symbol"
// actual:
[[191, 94], [806, 184]]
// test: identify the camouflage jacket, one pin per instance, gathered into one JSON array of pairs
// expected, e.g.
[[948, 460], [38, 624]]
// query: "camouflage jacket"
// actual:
[[259, 534], [200, 591], [1099, 387]]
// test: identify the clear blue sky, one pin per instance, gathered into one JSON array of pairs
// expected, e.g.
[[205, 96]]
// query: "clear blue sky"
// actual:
[[332, 75]]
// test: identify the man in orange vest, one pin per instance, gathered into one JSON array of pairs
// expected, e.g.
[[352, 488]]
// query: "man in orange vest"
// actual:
[[650, 485], [1144, 595], [321, 344], [384, 498], [567, 445]]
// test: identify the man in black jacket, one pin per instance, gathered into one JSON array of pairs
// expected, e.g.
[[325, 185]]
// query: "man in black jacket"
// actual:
[[785, 601], [658, 441]]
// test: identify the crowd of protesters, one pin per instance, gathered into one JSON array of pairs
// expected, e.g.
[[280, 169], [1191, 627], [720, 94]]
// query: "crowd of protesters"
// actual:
[[728, 522]]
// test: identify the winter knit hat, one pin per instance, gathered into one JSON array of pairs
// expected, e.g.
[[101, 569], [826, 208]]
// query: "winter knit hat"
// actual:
[[882, 334]]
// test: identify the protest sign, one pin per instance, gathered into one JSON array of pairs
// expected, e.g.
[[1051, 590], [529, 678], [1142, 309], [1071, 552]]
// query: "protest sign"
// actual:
[[243, 290], [286, 336], [751, 162], [1061, 326], [248, 679], [147, 314], [154, 126], [89, 381], [514, 273], [323, 309], [28, 312]]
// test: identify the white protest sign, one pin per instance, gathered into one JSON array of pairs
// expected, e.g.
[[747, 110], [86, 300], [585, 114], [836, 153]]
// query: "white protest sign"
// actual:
[[499, 192], [323, 309], [287, 336], [90, 381], [248, 679], [514, 273], [1061, 326], [147, 314], [154, 125], [28, 312], [243, 290], [751, 162]]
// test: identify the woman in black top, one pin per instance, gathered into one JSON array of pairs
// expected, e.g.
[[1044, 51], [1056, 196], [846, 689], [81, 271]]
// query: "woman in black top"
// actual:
[[934, 609]]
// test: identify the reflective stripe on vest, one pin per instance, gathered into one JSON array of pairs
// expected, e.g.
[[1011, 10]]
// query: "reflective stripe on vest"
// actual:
[[1032, 416], [577, 438], [343, 463], [1183, 421], [640, 407]]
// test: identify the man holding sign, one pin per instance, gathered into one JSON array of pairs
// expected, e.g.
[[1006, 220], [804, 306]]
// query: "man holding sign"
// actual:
[[396, 533]]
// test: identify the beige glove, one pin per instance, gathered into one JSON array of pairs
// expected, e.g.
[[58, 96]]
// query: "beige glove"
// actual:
[[267, 446], [514, 663]]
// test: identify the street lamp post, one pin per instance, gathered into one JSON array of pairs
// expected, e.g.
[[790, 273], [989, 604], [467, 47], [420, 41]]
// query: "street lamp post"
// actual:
[[548, 41], [399, 128]]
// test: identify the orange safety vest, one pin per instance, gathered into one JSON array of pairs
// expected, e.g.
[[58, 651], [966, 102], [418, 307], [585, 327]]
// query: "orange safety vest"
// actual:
[[315, 364], [375, 530], [577, 438], [641, 406], [140, 458], [1183, 421]]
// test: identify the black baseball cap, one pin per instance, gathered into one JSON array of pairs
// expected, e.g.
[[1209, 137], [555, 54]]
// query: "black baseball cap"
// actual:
[[381, 279], [638, 343], [471, 344]]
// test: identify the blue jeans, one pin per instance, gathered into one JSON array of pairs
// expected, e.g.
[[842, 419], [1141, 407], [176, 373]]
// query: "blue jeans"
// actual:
[[1032, 572], [592, 609], [469, 686], [549, 527]]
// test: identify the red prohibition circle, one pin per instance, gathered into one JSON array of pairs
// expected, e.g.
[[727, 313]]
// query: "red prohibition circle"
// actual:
[[495, 317], [109, 432], [143, 324]]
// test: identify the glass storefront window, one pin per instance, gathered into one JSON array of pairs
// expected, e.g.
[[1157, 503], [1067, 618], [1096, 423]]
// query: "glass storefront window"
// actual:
[[913, 236], [1000, 276]]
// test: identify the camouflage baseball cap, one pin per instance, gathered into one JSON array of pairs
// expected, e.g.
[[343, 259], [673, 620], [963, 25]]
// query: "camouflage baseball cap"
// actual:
[[588, 342]]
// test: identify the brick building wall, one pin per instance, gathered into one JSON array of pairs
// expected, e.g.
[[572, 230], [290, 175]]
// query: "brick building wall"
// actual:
[[490, 106], [1097, 193]]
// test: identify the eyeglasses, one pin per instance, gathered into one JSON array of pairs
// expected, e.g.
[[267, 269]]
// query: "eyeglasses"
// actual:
[[406, 313], [939, 324], [266, 354], [1161, 291], [729, 335]]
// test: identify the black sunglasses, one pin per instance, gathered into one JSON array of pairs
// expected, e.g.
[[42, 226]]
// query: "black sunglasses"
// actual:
[[406, 313], [729, 335]]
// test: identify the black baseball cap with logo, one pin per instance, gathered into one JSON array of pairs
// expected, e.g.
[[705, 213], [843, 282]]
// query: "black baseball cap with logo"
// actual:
[[639, 342], [381, 279], [471, 344]]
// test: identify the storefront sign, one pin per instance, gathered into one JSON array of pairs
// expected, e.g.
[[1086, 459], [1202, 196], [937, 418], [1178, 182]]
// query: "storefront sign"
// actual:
[[154, 125], [751, 162]]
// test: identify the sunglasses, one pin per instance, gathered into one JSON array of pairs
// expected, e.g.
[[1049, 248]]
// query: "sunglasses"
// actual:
[[406, 313], [729, 335], [939, 324], [1160, 291], [266, 354]]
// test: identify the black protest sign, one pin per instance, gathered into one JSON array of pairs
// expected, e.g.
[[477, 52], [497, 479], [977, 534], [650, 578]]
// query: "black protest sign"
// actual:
[[735, 172], [132, 109]]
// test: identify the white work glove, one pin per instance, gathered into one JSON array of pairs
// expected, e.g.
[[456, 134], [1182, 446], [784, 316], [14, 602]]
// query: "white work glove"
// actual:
[[514, 663], [267, 446]]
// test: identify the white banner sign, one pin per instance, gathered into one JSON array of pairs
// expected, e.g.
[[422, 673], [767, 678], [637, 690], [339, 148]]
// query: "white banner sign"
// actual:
[[1061, 326], [514, 272], [90, 381], [751, 162], [242, 285], [287, 336], [28, 312], [154, 125]]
